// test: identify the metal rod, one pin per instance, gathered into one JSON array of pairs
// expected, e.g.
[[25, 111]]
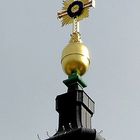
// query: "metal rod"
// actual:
[[75, 25]]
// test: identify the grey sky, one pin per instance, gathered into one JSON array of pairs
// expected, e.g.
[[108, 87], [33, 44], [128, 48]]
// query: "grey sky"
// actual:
[[31, 43]]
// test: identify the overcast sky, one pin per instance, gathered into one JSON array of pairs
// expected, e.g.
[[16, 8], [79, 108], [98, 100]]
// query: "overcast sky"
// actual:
[[31, 43]]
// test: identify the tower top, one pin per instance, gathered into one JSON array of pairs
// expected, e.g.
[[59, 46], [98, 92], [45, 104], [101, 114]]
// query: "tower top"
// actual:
[[75, 56]]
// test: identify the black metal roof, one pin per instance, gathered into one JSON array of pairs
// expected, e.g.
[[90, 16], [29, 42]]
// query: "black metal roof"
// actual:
[[79, 134]]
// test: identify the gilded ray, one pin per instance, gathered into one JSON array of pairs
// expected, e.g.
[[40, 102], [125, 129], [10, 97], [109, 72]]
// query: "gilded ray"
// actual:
[[66, 4]]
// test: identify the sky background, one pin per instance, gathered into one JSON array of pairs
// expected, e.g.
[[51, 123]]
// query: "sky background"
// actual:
[[31, 43]]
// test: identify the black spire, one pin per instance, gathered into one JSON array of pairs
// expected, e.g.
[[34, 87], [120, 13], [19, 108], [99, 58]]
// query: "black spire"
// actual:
[[75, 110]]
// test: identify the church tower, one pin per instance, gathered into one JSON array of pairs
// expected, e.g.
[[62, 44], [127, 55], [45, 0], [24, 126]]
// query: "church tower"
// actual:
[[75, 107]]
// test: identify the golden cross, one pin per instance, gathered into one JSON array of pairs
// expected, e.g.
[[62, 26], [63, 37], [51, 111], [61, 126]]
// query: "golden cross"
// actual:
[[75, 10]]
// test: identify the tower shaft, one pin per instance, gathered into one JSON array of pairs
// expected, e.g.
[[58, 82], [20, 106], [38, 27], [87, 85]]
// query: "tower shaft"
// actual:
[[75, 110]]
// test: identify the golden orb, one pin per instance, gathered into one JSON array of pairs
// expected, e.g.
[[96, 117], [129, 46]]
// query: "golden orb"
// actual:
[[75, 56]]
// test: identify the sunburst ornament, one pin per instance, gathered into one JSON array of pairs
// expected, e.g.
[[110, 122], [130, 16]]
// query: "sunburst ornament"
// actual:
[[75, 9]]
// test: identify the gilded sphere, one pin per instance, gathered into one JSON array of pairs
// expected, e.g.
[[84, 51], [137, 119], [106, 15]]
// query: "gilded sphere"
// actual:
[[75, 57]]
